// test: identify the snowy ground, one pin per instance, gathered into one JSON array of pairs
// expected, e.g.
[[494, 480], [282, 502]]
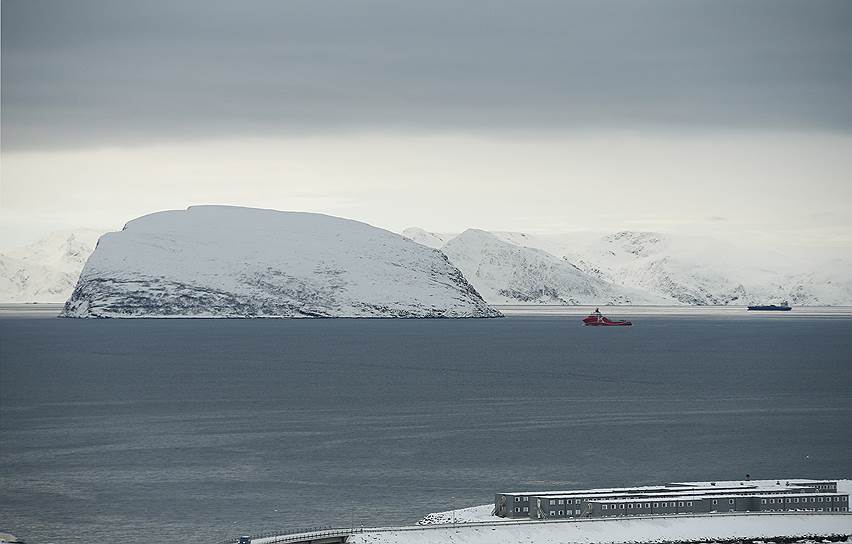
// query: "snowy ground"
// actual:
[[605, 531], [462, 515]]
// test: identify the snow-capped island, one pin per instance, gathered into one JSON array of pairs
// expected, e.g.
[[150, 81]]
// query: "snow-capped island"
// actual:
[[225, 261]]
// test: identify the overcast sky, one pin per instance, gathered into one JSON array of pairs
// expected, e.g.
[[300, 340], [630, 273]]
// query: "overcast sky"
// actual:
[[725, 118]]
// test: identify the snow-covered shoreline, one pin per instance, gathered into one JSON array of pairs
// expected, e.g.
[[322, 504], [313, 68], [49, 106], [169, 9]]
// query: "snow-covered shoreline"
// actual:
[[652, 529]]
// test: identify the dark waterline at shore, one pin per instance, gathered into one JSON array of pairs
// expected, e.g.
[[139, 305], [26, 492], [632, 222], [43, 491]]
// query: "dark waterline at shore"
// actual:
[[159, 429]]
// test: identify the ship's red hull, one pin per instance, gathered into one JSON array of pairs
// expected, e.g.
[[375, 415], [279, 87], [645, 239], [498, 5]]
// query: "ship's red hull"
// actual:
[[610, 324], [600, 321]]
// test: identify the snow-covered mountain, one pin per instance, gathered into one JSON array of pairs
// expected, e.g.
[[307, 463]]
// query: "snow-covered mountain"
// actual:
[[47, 270], [828, 284], [222, 261], [653, 268], [508, 273], [435, 240], [703, 271], [654, 263]]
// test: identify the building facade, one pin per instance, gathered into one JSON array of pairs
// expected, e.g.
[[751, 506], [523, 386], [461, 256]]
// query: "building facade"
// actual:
[[676, 498]]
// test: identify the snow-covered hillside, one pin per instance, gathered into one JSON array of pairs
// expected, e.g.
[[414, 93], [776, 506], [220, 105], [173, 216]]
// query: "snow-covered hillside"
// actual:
[[507, 273], [663, 269], [222, 261], [435, 240], [47, 270], [830, 283], [703, 271], [651, 268]]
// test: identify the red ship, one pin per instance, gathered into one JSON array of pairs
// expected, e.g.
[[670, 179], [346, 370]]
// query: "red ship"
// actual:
[[598, 320]]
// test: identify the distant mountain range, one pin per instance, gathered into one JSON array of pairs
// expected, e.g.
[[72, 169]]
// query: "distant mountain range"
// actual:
[[636, 268], [47, 270], [519, 268]]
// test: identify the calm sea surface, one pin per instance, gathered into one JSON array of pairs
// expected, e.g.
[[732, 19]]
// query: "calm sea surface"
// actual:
[[196, 430]]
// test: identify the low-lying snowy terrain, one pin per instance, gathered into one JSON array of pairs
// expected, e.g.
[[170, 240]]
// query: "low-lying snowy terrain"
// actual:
[[222, 261], [706, 528]]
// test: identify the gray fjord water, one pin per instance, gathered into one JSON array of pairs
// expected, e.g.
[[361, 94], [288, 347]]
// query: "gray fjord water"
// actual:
[[153, 430]]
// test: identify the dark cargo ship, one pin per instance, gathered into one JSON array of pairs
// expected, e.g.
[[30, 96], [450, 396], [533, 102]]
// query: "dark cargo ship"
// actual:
[[783, 307]]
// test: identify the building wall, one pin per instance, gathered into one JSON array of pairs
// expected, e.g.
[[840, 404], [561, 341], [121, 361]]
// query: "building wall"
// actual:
[[556, 507], [573, 507], [511, 504], [685, 505], [823, 502]]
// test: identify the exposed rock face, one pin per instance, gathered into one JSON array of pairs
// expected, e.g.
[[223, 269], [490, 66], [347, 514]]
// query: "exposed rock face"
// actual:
[[221, 261]]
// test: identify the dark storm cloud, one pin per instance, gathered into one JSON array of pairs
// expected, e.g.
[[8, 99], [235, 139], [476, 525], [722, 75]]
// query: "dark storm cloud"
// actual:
[[104, 72]]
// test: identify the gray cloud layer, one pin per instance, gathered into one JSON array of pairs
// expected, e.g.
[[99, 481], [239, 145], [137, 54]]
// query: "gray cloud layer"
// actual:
[[104, 72]]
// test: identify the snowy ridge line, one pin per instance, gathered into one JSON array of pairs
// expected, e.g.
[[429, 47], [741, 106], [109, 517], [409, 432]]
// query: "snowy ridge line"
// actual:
[[299, 535]]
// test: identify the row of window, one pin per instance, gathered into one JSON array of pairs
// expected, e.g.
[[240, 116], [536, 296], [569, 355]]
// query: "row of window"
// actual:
[[562, 512], [630, 505], [804, 499], [647, 505], [818, 486], [554, 502], [565, 501]]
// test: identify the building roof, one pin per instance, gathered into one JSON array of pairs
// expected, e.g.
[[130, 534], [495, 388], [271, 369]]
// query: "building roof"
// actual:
[[675, 487], [599, 491], [721, 496], [775, 482]]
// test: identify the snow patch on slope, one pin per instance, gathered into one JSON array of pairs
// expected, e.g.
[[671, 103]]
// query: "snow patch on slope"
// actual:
[[222, 261]]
